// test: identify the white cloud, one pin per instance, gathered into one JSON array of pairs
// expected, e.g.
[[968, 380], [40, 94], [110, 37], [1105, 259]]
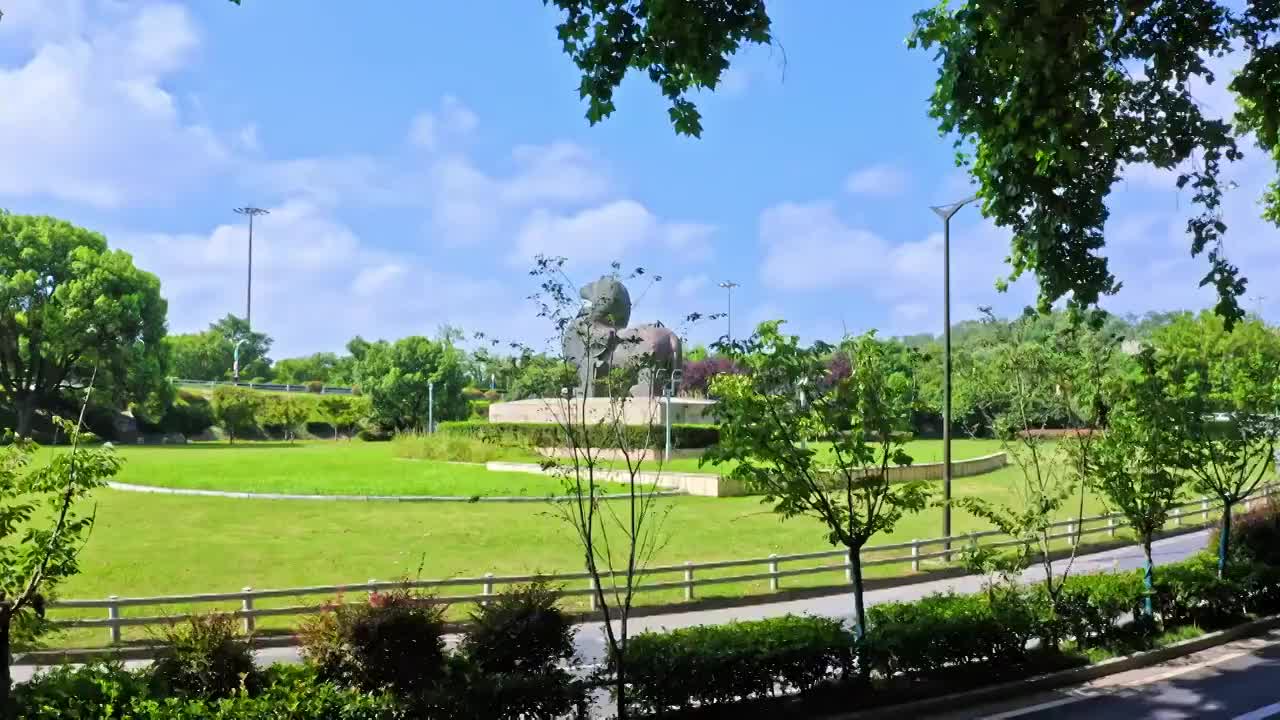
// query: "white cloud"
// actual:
[[691, 285], [881, 179], [248, 138], [317, 283], [599, 235], [87, 114], [453, 121], [808, 247]]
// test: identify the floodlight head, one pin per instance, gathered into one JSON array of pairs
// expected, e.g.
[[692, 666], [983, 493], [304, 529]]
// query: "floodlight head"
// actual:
[[251, 211], [728, 284], [946, 211]]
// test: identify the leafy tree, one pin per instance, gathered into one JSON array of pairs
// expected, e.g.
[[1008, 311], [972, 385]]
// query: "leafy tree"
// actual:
[[236, 409], [42, 530], [785, 399], [343, 411], [68, 306], [284, 414], [322, 366], [396, 377], [1224, 390], [698, 374], [1135, 462], [540, 376], [210, 355]]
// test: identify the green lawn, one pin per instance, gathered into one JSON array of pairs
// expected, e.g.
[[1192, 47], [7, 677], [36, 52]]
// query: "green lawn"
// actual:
[[320, 468], [153, 544]]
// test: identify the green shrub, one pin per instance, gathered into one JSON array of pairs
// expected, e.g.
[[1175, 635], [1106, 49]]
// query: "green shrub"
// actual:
[[717, 664], [473, 393], [949, 633], [1088, 606], [1255, 534], [1191, 593], [452, 448], [521, 630], [375, 434], [190, 414], [471, 692], [478, 410], [552, 435], [292, 694], [492, 395], [395, 641], [96, 691], [315, 386], [204, 657]]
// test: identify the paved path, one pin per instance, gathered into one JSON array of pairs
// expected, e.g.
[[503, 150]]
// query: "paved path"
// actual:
[[590, 640], [1239, 680]]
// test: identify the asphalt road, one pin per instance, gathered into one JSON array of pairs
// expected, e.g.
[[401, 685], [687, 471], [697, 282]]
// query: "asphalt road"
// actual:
[[1240, 681], [590, 637]]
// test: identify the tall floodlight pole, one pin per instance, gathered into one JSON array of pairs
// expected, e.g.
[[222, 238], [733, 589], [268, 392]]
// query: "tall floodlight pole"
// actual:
[[729, 285], [945, 212], [252, 212]]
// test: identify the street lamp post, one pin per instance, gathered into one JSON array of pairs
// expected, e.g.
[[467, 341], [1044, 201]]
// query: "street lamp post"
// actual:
[[674, 382], [431, 408], [945, 212], [235, 362], [252, 212], [729, 285]]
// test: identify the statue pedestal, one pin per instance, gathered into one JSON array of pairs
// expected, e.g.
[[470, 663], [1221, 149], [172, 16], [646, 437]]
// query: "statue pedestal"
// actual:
[[634, 411]]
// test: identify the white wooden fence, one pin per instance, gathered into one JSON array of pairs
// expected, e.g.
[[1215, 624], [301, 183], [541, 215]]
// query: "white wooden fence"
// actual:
[[774, 569]]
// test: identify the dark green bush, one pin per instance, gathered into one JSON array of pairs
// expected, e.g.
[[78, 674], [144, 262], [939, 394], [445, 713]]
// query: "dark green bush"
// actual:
[[315, 386], [552, 435], [394, 641], [1191, 593], [190, 414], [712, 665], [521, 630], [90, 692], [951, 633], [1088, 606], [205, 657], [478, 410], [291, 694], [1255, 534], [471, 692], [473, 393]]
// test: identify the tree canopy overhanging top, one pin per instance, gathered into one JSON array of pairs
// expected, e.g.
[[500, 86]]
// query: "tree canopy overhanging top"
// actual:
[[1047, 101]]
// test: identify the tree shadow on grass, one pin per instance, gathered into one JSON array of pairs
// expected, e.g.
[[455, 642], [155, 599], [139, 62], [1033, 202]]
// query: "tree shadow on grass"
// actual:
[[252, 445]]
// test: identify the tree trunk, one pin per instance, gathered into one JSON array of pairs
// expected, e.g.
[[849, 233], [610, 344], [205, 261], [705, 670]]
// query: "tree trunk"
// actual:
[[25, 407], [859, 611], [1224, 539], [620, 685], [6, 692], [1148, 576]]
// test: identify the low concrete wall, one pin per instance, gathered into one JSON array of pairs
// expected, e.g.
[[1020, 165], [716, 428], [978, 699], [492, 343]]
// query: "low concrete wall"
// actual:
[[635, 411], [709, 485], [615, 454]]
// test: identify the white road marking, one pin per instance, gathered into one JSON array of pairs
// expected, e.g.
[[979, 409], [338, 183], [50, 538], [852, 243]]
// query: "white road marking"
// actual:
[[1188, 668], [1019, 712], [1262, 712]]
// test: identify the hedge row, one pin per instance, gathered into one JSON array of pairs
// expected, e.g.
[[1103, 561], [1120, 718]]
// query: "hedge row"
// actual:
[[553, 435], [948, 640]]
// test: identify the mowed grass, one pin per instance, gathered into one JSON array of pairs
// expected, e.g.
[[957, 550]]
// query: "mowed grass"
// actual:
[[319, 468], [146, 545]]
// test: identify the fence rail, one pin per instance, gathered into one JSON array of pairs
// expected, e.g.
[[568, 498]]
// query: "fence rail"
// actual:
[[270, 387], [1199, 512]]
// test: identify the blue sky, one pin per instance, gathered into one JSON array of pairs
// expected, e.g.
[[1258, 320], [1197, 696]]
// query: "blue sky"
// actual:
[[416, 155]]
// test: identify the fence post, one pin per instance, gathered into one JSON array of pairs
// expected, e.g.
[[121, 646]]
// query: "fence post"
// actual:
[[688, 580], [915, 555], [848, 568], [1111, 525], [113, 614], [488, 587], [591, 585], [1204, 509], [371, 590], [246, 604], [773, 572], [1071, 533], [1177, 517]]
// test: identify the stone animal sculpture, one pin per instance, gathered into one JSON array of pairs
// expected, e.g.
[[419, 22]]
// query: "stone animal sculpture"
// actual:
[[598, 341]]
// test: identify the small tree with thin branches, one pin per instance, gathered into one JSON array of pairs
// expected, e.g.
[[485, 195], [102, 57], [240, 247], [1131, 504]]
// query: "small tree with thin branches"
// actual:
[[787, 398]]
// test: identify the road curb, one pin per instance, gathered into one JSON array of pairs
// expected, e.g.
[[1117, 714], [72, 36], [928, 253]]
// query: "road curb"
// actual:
[[1064, 678], [190, 492]]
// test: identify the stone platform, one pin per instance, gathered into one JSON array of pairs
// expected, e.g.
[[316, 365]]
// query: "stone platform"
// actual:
[[635, 411]]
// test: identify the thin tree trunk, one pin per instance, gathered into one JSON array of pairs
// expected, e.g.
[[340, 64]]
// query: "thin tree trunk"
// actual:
[[1224, 539], [1148, 576], [6, 680], [620, 685], [859, 611], [25, 407]]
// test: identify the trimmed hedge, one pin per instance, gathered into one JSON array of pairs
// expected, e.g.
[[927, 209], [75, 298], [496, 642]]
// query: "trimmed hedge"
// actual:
[[552, 435], [716, 664]]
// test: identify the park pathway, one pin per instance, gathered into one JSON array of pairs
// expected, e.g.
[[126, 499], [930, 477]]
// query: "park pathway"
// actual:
[[590, 640]]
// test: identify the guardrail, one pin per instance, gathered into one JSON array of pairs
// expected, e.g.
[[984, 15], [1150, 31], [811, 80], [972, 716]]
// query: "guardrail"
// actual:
[[1203, 512], [270, 387]]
